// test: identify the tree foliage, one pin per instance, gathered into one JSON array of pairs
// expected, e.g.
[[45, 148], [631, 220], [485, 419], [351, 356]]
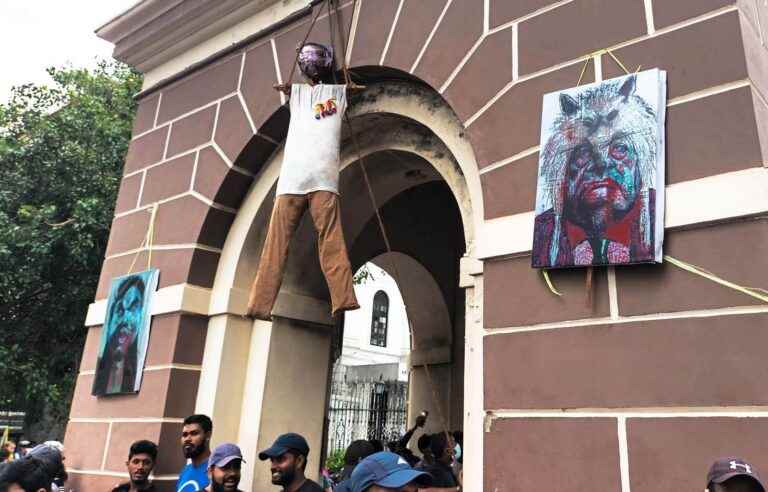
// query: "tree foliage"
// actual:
[[61, 156]]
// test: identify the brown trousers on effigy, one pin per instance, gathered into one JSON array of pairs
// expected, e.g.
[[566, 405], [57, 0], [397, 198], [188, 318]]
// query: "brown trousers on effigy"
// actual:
[[286, 215]]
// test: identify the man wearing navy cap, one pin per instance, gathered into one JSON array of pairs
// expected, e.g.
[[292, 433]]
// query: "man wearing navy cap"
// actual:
[[733, 475], [288, 460], [387, 472], [224, 468]]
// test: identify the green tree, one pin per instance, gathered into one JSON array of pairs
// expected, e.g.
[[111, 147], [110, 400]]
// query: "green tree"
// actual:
[[62, 149]]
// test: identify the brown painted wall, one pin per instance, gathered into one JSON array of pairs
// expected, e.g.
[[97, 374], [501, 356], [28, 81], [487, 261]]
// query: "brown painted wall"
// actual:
[[199, 142]]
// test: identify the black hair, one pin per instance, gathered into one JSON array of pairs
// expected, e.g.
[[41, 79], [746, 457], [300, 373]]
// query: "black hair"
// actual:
[[438, 443], [377, 445], [30, 474], [423, 443], [143, 447], [357, 450], [203, 421], [132, 281]]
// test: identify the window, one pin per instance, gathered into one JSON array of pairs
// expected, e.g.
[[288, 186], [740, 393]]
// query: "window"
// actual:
[[379, 319]]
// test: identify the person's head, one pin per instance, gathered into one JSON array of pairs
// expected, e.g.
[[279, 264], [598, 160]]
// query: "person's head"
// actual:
[[377, 444], [224, 467], [142, 456], [50, 453], [126, 313], [287, 457], [9, 446], [423, 444], [600, 155], [733, 475], [387, 472], [356, 451], [316, 62], [196, 435], [26, 475], [441, 446]]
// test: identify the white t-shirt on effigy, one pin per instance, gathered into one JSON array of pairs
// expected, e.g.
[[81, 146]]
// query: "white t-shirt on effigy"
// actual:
[[311, 157]]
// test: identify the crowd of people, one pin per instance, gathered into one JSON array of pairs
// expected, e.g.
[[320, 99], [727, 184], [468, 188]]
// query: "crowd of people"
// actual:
[[368, 467]]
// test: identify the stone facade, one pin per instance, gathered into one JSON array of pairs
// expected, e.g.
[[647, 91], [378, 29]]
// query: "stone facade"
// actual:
[[661, 374]]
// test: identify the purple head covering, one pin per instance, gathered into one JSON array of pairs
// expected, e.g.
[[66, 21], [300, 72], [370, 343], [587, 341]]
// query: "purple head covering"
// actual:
[[315, 61]]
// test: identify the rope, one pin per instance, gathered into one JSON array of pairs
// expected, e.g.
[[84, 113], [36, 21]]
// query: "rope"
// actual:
[[147, 241], [379, 219], [298, 48]]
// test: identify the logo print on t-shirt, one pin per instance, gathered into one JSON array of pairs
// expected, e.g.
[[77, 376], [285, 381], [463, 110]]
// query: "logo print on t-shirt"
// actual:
[[328, 108]]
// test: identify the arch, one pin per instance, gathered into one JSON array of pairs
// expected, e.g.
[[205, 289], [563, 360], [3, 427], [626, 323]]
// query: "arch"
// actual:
[[410, 140]]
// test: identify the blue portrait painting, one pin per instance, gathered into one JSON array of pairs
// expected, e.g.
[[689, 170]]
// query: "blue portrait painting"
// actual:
[[125, 334]]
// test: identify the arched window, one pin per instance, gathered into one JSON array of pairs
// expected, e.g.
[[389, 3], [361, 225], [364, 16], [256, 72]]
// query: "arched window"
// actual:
[[379, 319]]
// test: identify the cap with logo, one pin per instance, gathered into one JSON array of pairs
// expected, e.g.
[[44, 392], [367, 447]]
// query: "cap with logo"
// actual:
[[726, 468], [225, 454], [387, 470], [284, 443]]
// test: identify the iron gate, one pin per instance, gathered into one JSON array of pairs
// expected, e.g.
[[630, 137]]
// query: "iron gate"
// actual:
[[366, 410]]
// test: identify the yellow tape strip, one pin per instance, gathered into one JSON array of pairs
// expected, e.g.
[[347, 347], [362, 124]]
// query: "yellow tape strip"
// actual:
[[147, 241], [549, 283], [755, 292]]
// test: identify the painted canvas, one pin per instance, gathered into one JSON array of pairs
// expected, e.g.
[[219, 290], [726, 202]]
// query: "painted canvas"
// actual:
[[125, 334], [600, 191]]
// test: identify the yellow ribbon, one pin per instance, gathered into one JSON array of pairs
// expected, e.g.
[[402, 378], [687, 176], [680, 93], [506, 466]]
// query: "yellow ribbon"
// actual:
[[755, 292], [147, 241], [549, 283]]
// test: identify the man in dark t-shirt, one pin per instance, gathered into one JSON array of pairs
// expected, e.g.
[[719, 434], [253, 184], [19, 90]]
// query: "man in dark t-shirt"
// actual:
[[288, 460], [141, 461]]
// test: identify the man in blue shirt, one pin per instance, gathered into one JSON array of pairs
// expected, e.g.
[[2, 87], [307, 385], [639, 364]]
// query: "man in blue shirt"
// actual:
[[196, 444]]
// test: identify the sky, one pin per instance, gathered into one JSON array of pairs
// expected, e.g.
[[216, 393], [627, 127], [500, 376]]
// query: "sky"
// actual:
[[36, 34]]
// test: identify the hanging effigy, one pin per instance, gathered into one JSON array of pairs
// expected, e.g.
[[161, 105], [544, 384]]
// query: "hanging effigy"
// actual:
[[309, 180], [600, 191], [125, 334]]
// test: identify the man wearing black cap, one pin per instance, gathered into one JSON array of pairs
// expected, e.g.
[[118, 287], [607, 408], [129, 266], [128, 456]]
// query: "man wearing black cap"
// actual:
[[733, 475], [288, 459]]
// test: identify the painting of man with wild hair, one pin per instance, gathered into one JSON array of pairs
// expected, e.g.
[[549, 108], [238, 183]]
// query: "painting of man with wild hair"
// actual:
[[125, 335], [600, 193]]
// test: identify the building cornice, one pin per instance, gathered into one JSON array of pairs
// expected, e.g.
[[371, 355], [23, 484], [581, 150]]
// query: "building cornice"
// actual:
[[155, 32]]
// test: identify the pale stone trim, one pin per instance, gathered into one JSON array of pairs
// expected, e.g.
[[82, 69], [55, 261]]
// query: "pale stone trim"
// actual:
[[700, 313], [183, 367], [649, 24], [474, 387], [157, 110], [710, 91], [613, 293], [486, 16], [737, 411], [104, 473], [106, 447], [515, 51], [741, 193], [215, 121], [582, 58], [193, 193], [141, 188], [183, 115], [391, 32], [431, 35], [461, 64], [520, 155], [353, 31], [184, 298], [621, 424], [126, 420], [194, 172], [165, 247], [531, 15], [279, 75]]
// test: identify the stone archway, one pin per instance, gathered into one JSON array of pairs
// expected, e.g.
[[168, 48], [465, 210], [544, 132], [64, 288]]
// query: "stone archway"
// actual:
[[261, 379]]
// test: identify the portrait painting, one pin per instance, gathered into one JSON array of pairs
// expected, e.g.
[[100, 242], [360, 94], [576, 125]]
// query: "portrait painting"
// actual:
[[125, 334], [600, 190]]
